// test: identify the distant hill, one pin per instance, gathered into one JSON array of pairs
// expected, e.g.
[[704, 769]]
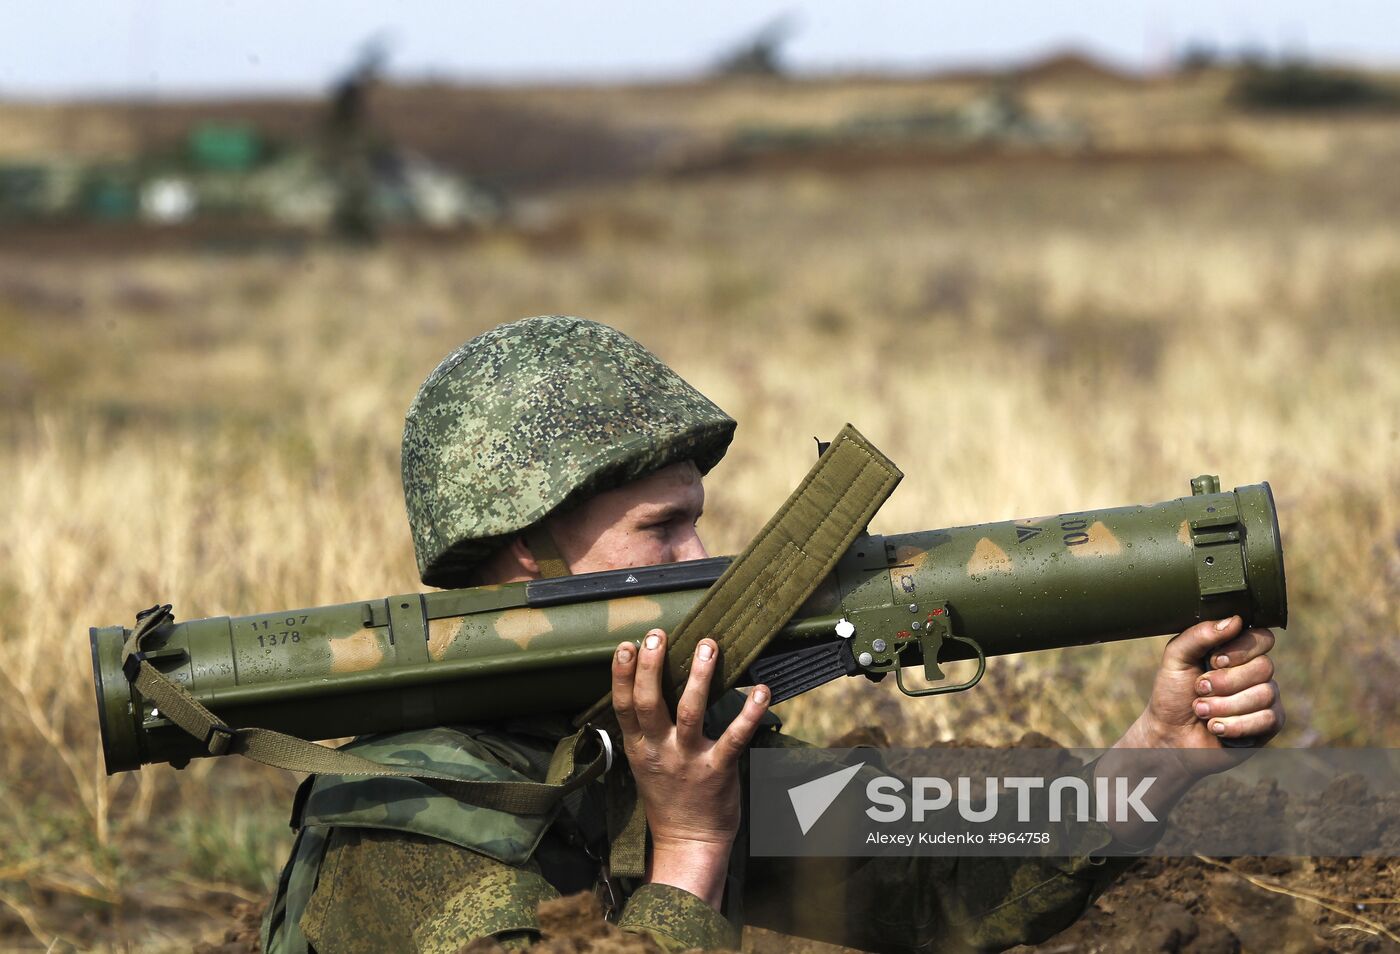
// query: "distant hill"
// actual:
[[1067, 66], [1073, 66], [534, 138]]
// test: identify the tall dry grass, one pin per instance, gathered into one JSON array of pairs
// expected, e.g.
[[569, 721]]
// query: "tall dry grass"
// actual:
[[222, 433]]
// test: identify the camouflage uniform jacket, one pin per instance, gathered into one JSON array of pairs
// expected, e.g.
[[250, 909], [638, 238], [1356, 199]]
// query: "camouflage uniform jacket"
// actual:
[[390, 865]]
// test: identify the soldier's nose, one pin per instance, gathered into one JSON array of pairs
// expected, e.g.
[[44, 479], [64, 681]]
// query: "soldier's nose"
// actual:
[[691, 547]]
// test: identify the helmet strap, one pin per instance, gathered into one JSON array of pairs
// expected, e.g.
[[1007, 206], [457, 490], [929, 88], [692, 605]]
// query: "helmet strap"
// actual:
[[544, 551]]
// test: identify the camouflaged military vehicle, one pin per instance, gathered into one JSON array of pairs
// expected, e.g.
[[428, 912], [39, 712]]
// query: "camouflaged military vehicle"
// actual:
[[231, 174]]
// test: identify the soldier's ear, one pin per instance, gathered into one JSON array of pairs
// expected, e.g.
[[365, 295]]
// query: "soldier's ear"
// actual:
[[519, 553]]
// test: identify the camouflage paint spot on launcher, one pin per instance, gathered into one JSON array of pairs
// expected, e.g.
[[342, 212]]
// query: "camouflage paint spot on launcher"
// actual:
[[442, 633], [987, 557], [521, 626], [1101, 542], [1183, 533], [632, 611], [912, 556], [356, 653]]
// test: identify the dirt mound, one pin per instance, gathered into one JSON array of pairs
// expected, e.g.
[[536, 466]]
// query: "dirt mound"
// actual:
[[243, 937], [1203, 906]]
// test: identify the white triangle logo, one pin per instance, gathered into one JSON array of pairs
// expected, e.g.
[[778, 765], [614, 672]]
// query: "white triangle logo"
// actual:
[[810, 800], [630, 579]]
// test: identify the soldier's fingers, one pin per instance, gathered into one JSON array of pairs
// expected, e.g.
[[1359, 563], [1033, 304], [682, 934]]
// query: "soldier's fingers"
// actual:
[[1227, 682], [1264, 724], [1253, 699], [1244, 647], [740, 733], [624, 665], [690, 711], [646, 689], [1189, 649]]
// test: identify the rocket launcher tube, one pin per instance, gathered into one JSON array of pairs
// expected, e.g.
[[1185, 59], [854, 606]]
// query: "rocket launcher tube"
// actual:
[[492, 652]]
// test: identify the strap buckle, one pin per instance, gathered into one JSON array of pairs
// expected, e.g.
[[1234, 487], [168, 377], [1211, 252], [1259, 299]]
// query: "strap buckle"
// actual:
[[219, 739]]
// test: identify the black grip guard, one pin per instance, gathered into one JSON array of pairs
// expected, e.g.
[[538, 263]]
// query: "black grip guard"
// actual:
[[791, 673]]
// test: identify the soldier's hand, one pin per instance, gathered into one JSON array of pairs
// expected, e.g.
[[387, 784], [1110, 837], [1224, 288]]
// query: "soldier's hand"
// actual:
[[1195, 705], [688, 784]]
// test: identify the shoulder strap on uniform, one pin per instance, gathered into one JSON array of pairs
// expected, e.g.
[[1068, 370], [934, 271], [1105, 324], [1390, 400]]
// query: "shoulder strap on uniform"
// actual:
[[757, 595]]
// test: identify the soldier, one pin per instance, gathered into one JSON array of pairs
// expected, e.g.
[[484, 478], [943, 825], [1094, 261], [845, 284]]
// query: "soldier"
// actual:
[[557, 443]]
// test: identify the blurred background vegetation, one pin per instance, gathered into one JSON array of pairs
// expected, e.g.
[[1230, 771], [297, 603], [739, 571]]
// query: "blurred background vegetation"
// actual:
[[1039, 289]]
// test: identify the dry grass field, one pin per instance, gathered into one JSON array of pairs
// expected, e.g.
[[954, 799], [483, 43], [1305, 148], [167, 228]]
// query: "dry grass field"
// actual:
[[222, 433]]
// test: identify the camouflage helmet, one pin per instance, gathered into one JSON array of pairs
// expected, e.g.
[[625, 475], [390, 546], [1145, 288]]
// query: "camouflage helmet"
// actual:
[[532, 417]]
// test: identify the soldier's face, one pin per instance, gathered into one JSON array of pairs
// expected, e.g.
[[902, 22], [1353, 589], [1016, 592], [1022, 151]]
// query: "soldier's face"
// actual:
[[648, 521]]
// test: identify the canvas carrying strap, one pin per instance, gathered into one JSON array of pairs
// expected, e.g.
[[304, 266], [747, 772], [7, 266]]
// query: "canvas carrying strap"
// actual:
[[747, 606], [569, 769], [546, 554]]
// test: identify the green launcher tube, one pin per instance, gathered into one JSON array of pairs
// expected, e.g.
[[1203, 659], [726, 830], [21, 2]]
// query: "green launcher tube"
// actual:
[[894, 602]]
